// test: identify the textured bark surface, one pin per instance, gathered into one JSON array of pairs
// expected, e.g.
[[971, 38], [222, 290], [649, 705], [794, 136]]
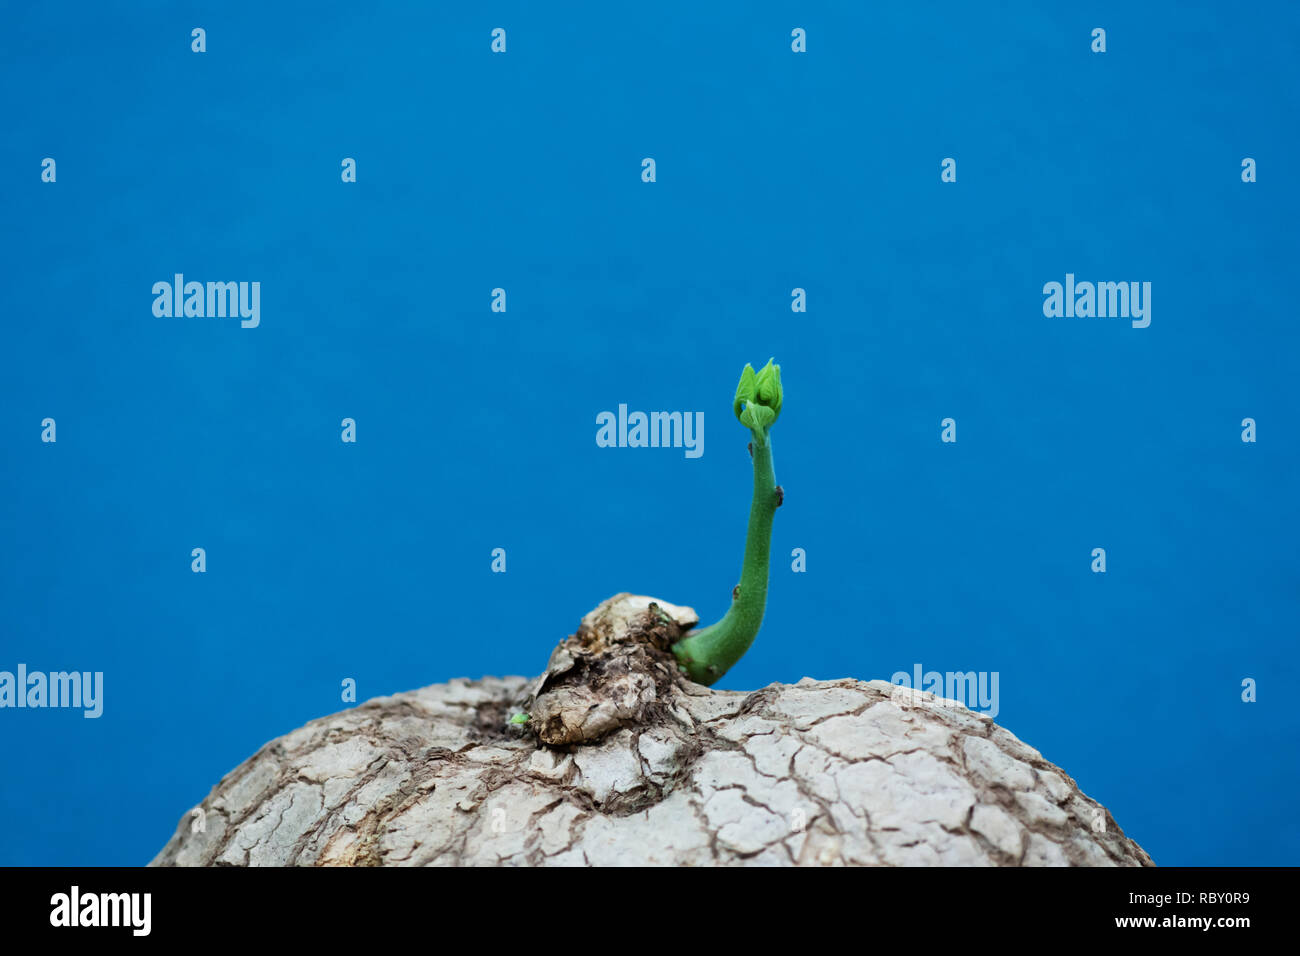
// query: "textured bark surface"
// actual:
[[644, 767]]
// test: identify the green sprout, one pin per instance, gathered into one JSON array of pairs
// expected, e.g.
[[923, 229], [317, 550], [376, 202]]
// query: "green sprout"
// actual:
[[519, 719], [706, 654]]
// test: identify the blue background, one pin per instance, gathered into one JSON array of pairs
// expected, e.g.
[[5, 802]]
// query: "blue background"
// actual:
[[476, 429]]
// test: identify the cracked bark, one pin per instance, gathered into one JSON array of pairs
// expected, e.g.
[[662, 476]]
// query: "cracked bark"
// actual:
[[625, 762]]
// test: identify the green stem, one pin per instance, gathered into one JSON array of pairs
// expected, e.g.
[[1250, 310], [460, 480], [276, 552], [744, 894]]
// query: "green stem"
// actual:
[[709, 653]]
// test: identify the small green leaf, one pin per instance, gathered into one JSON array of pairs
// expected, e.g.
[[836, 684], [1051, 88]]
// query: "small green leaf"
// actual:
[[746, 390], [519, 719], [768, 386], [757, 417]]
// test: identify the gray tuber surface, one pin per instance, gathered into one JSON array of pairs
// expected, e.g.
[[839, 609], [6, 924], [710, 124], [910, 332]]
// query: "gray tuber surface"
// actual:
[[637, 765]]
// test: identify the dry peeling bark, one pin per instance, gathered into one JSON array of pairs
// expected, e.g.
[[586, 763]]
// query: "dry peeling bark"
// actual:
[[645, 767]]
